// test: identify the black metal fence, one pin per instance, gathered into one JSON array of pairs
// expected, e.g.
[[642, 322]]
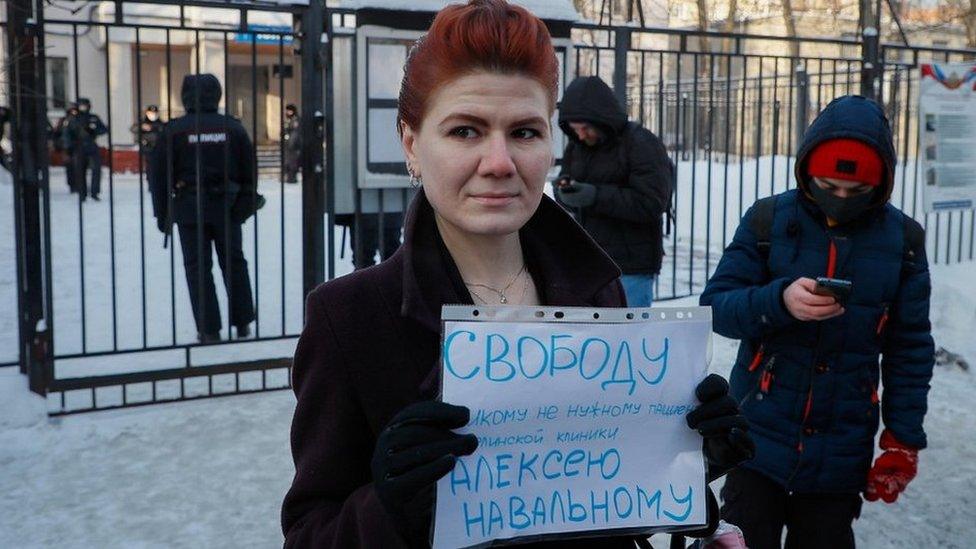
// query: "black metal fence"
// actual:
[[105, 318], [730, 108]]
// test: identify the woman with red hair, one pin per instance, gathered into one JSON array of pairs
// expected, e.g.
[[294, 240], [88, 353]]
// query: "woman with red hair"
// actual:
[[369, 438]]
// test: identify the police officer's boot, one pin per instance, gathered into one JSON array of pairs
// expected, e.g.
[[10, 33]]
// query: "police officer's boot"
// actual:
[[243, 331], [208, 338]]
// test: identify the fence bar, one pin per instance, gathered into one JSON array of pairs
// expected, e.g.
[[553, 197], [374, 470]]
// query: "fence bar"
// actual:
[[228, 263], [111, 190], [169, 189], [694, 166], [72, 181], [31, 193], [142, 197], [727, 143], [254, 190], [711, 147], [317, 125], [281, 171]]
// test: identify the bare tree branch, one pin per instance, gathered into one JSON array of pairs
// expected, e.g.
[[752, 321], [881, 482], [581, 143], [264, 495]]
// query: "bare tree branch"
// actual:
[[790, 21]]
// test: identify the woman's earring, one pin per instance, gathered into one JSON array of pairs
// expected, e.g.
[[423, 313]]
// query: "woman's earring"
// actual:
[[415, 180]]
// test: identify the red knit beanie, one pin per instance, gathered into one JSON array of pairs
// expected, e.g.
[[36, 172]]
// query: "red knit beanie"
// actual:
[[847, 159]]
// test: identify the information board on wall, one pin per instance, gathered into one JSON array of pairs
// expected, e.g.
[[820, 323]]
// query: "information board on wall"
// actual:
[[580, 418], [947, 140]]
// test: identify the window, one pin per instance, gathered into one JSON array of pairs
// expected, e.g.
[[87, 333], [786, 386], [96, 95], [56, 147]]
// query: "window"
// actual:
[[282, 71], [57, 82]]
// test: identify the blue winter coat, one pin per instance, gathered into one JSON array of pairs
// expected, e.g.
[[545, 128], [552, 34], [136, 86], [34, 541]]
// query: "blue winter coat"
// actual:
[[810, 389]]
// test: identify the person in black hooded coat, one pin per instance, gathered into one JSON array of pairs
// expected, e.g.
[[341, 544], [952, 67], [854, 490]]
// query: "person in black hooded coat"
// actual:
[[617, 177], [205, 158]]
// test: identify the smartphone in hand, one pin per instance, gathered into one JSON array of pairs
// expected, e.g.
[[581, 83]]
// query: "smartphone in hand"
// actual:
[[836, 288]]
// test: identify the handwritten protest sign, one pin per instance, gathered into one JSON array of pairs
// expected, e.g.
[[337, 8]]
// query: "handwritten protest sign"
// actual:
[[580, 417]]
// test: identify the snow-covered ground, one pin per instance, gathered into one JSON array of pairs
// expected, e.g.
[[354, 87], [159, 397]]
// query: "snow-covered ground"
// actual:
[[212, 473]]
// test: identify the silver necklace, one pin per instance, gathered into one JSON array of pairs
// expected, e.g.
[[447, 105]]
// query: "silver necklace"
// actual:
[[502, 297], [525, 286]]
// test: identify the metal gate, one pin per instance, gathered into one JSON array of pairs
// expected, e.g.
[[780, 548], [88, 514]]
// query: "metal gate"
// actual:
[[104, 314], [729, 107]]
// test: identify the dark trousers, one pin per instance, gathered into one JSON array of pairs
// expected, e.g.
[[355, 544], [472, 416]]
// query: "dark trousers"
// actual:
[[146, 159], [761, 508], [366, 241], [69, 173], [226, 239], [293, 163], [83, 161]]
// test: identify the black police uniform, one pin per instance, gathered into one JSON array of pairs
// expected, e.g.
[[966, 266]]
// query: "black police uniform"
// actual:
[[59, 139], [292, 138], [147, 133], [80, 133], [206, 158]]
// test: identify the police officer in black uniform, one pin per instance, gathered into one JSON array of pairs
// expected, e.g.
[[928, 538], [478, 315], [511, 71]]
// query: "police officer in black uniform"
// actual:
[[59, 139], [206, 158], [292, 137], [147, 133], [80, 134]]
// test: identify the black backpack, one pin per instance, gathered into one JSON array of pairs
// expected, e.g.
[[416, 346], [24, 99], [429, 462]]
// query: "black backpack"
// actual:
[[667, 193]]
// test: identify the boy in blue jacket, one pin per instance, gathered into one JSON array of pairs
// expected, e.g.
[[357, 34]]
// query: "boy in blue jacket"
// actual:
[[807, 372]]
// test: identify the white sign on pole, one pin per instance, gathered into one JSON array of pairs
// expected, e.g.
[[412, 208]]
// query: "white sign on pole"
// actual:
[[580, 418], [947, 127]]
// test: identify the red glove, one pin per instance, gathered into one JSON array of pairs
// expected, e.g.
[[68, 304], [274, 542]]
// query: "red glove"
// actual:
[[892, 471]]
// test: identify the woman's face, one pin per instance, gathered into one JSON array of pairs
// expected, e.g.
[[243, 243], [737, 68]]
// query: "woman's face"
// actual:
[[483, 150]]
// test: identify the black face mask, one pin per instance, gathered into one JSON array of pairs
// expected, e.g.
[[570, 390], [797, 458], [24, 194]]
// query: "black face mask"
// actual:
[[841, 210]]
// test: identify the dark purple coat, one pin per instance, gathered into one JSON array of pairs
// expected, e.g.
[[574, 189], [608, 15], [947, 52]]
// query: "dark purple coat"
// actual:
[[371, 346]]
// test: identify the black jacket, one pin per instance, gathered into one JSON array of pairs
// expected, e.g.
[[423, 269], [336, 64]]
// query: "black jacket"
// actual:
[[371, 346], [201, 150], [80, 131], [829, 370], [147, 132], [292, 135], [632, 173]]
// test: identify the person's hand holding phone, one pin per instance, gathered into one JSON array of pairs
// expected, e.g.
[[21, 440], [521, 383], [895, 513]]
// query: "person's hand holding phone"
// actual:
[[805, 305]]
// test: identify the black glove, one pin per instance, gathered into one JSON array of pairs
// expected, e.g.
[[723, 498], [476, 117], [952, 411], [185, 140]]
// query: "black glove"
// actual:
[[725, 429], [161, 225], [577, 194], [412, 453]]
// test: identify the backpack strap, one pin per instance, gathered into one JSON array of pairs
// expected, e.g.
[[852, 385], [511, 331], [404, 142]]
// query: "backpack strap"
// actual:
[[914, 246], [761, 224]]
